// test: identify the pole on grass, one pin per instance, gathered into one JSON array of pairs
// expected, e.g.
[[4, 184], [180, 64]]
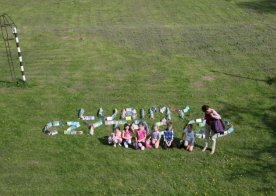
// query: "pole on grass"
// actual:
[[14, 31], [9, 33]]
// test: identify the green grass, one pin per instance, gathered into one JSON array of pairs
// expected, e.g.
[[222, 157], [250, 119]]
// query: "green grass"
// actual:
[[139, 54]]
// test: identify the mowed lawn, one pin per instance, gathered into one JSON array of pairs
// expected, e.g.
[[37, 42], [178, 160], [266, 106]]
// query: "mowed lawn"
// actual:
[[138, 53]]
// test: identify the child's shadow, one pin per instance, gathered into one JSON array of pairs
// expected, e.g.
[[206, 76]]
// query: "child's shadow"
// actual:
[[176, 142], [103, 140], [199, 146]]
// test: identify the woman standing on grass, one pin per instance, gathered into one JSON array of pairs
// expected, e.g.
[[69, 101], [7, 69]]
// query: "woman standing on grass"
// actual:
[[210, 114]]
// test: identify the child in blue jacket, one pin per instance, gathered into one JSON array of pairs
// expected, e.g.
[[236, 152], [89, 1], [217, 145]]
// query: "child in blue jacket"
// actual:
[[168, 136]]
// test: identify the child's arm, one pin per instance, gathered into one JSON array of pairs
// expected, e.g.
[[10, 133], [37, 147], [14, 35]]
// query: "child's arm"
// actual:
[[159, 136], [144, 139], [183, 137], [185, 133], [193, 138], [123, 135], [120, 135], [165, 137], [215, 115], [170, 142], [172, 136]]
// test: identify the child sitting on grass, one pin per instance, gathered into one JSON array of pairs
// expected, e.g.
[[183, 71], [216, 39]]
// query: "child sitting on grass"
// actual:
[[127, 135], [188, 139], [168, 136], [155, 137], [140, 137], [115, 138]]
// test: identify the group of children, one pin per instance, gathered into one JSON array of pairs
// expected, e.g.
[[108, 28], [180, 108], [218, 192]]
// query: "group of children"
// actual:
[[141, 141], [213, 127]]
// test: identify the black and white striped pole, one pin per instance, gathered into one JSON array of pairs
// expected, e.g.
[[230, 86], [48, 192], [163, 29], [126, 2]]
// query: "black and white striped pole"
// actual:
[[14, 31]]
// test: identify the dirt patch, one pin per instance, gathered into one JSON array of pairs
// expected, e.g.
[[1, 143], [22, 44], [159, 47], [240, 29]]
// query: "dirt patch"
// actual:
[[34, 162], [198, 84], [66, 38], [208, 78]]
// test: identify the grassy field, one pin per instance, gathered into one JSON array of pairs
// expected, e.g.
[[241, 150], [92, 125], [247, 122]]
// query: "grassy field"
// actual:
[[138, 53]]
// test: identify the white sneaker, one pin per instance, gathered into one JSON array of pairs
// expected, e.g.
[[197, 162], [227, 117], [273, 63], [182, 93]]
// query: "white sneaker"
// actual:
[[212, 152], [142, 148], [114, 145]]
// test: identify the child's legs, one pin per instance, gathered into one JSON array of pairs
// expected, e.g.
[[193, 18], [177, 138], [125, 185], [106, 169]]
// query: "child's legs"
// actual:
[[141, 145], [117, 141], [156, 145], [165, 146], [214, 139], [185, 143], [129, 141], [169, 144], [125, 143], [138, 145], [190, 148], [110, 139]]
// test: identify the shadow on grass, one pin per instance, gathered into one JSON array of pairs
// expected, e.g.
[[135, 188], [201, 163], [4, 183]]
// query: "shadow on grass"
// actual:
[[269, 80], [261, 6], [200, 146], [18, 83], [259, 169], [7, 83], [103, 140], [261, 157]]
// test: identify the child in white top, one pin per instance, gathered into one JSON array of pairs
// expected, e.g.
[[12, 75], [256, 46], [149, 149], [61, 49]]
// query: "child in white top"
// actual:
[[115, 138]]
